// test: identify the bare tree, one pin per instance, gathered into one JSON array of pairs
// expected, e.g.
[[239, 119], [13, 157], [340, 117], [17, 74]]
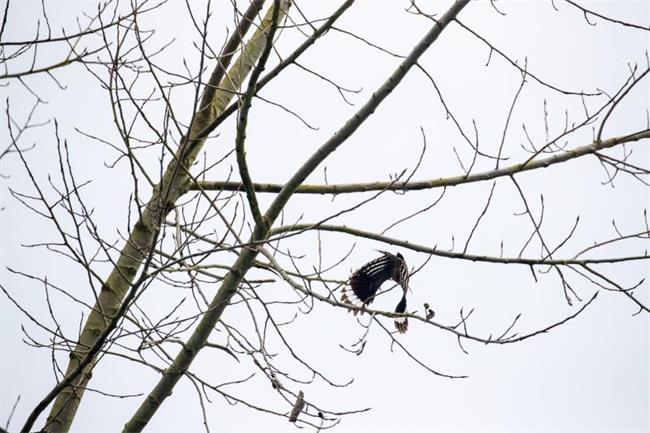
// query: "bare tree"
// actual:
[[199, 237]]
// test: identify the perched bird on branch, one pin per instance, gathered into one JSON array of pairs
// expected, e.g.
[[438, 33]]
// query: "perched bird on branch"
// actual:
[[365, 282]]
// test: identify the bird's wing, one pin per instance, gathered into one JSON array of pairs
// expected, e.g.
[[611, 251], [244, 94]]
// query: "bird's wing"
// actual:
[[365, 282]]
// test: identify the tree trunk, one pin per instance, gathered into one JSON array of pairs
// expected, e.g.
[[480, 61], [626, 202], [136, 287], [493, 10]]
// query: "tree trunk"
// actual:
[[175, 182]]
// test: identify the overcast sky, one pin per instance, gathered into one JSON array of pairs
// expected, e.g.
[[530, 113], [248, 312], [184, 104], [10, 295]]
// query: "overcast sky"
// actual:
[[591, 374]]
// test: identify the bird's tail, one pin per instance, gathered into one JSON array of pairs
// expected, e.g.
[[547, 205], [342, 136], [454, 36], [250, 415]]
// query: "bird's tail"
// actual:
[[401, 323]]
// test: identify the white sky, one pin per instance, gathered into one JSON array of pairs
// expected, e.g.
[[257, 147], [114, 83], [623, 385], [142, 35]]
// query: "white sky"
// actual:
[[589, 375]]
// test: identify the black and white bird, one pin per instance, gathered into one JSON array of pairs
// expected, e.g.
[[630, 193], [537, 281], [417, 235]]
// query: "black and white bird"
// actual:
[[365, 282]]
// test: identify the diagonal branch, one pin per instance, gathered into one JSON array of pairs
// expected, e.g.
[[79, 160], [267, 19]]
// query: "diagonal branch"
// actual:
[[242, 120], [143, 237], [246, 258]]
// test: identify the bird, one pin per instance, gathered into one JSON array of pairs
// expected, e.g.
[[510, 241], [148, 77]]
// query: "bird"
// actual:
[[365, 282]]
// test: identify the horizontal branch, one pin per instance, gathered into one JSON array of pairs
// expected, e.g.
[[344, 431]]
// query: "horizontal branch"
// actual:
[[449, 254], [454, 329], [62, 63], [343, 188]]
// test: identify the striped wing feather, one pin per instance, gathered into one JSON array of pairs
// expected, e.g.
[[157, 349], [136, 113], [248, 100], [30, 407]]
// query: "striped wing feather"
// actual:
[[366, 281]]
